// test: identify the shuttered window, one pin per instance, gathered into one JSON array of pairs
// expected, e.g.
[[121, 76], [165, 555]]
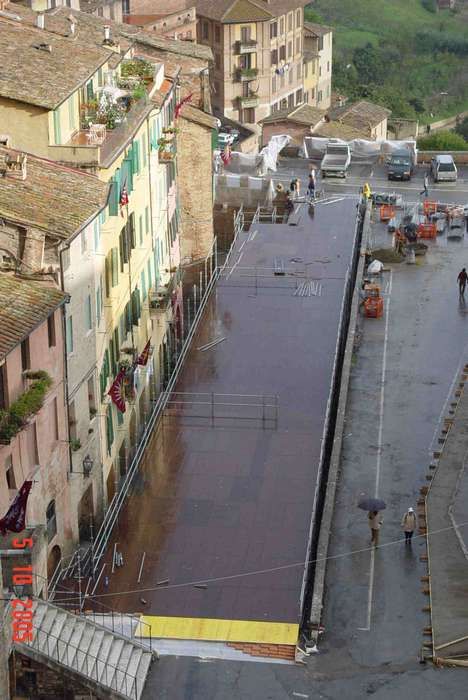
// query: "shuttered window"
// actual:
[[136, 157], [109, 429], [114, 267], [114, 198]]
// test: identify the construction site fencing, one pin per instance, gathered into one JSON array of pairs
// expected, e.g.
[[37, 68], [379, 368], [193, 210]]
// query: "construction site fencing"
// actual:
[[331, 414], [214, 406]]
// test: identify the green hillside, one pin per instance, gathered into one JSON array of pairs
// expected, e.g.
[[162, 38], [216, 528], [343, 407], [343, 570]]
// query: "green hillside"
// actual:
[[400, 53]]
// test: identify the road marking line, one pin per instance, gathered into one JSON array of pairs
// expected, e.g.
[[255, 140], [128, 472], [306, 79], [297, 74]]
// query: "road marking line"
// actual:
[[449, 395], [379, 452]]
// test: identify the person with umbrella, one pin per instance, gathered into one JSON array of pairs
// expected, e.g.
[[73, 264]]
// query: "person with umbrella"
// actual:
[[375, 520]]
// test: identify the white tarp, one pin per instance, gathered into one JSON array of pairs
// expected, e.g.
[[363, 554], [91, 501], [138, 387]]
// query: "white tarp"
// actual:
[[360, 148], [272, 150], [256, 164]]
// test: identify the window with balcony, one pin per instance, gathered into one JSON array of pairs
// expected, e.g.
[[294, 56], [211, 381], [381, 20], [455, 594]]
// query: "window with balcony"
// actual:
[[273, 30], [245, 34]]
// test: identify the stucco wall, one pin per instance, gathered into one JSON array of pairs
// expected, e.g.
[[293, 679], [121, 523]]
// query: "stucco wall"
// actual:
[[27, 126], [49, 429]]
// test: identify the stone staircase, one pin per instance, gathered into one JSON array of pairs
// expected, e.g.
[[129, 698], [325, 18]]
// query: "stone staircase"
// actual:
[[111, 664]]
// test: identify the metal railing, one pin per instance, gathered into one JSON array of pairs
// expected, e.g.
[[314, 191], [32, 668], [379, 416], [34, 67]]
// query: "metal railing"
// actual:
[[212, 405], [82, 662], [109, 619]]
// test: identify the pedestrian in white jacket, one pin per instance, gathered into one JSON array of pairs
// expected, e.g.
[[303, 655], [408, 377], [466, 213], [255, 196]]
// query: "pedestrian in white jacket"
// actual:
[[409, 523]]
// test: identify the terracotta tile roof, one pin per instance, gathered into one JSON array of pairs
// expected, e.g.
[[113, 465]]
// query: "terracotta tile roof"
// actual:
[[52, 198], [337, 130], [32, 74], [25, 305], [231, 11], [183, 48], [304, 114], [198, 116], [360, 115], [316, 29]]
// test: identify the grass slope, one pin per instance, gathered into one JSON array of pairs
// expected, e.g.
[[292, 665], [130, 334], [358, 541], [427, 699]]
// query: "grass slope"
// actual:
[[414, 70]]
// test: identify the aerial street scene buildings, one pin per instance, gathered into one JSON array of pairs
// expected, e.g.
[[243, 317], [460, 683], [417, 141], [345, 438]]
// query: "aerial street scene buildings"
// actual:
[[233, 352]]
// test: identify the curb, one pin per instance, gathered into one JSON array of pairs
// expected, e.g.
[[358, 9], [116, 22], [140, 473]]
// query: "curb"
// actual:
[[329, 504]]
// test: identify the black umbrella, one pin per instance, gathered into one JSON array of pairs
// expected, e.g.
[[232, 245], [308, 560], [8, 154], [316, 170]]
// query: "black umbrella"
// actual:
[[371, 504]]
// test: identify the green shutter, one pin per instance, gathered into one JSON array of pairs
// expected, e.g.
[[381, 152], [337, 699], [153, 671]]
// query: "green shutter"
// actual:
[[114, 198], [136, 157], [108, 273], [102, 384], [90, 91], [110, 428], [129, 172], [116, 342], [112, 358], [150, 276]]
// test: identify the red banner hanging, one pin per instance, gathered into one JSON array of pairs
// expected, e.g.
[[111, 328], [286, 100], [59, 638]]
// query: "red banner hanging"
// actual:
[[15, 519], [144, 356], [117, 392]]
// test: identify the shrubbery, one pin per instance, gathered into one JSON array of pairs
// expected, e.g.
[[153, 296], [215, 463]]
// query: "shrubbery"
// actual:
[[443, 141], [29, 403]]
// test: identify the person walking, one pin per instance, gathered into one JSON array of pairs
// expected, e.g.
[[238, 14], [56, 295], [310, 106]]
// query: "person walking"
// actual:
[[408, 523], [375, 523], [366, 190], [425, 191], [294, 187], [461, 279], [311, 185]]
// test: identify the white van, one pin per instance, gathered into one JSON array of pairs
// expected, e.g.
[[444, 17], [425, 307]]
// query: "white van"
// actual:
[[443, 169]]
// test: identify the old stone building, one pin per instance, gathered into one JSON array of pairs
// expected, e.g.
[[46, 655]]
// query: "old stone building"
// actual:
[[258, 55]]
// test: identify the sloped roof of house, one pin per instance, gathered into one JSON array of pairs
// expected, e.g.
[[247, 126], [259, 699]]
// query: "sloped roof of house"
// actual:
[[304, 114], [52, 197], [360, 115], [316, 29], [25, 305], [43, 68], [232, 11], [192, 114], [338, 130]]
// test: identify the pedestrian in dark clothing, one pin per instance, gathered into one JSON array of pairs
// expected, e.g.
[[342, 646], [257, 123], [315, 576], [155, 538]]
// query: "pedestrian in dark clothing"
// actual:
[[408, 523], [462, 278], [425, 191], [311, 185]]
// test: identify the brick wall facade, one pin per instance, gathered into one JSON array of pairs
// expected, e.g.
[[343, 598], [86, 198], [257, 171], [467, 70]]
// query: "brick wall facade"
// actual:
[[195, 190], [33, 680]]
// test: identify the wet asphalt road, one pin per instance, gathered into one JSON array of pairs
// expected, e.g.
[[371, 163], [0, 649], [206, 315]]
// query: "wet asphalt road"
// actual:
[[427, 336]]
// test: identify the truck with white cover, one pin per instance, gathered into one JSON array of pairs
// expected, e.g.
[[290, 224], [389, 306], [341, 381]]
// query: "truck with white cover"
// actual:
[[336, 160]]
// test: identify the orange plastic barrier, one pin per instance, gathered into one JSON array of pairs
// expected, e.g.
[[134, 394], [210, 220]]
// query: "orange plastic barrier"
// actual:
[[427, 231], [387, 212], [429, 207], [373, 307]]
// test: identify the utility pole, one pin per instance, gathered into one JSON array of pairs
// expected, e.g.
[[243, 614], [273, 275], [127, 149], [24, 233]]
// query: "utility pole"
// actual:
[[4, 646]]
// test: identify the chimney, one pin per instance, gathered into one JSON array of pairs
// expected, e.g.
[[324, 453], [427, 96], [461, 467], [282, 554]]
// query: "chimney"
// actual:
[[107, 32], [40, 20], [72, 21]]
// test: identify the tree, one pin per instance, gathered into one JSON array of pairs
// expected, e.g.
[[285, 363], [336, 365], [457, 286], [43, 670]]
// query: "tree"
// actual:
[[443, 141], [369, 64], [462, 128]]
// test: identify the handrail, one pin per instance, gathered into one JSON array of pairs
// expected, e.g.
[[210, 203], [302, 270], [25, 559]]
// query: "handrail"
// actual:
[[114, 616], [78, 668]]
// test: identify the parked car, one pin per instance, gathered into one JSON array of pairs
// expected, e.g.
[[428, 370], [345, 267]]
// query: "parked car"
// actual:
[[225, 139], [443, 169], [401, 164]]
